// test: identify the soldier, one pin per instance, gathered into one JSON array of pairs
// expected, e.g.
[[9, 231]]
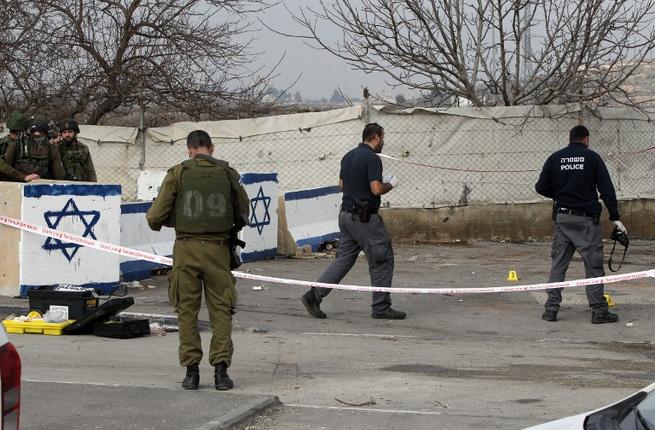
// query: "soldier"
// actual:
[[203, 200], [16, 123], [35, 155], [75, 156]]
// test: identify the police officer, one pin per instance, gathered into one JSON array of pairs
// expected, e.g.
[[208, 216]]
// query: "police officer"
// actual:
[[203, 200], [16, 123], [360, 225], [75, 156], [35, 155], [573, 177]]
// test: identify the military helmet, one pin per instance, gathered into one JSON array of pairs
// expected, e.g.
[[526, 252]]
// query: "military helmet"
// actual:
[[69, 124], [40, 126], [38, 118], [17, 122]]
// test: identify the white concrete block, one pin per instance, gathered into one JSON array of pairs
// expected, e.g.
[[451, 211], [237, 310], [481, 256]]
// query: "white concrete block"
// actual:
[[313, 215], [85, 209]]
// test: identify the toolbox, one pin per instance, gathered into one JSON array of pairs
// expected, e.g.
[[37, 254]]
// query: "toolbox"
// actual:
[[37, 326], [76, 303], [104, 312]]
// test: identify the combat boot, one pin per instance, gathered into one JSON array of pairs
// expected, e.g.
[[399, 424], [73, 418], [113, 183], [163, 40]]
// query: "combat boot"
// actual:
[[603, 317], [311, 304], [221, 380], [549, 315], [192, 378]]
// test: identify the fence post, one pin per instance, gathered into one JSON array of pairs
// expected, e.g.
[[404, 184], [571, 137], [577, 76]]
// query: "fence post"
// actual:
[[142, 135], [367, 106]]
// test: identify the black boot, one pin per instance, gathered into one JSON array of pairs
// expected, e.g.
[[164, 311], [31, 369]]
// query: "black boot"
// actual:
[[389, 314], [221, 380], [603, 317], [549, 315], [311, 304], [192, 378]]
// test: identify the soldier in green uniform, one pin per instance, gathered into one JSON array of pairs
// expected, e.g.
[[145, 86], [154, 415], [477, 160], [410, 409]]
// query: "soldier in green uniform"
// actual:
[[75, 155], [35, 155], [205, 203], [16, 123]]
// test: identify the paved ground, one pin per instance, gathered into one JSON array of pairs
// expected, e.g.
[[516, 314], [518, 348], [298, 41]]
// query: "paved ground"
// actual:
[[457, 362]]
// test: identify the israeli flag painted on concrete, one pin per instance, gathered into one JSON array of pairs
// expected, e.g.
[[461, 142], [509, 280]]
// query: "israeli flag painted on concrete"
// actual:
[[87, 210], [261, 235], [313, 215]]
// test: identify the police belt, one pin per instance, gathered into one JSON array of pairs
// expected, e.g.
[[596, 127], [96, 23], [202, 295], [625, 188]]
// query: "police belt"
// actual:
[[353, 210], [576, 212]]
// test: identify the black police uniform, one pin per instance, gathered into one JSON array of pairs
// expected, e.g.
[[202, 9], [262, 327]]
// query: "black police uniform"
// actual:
[[573, 177], [359, 167]]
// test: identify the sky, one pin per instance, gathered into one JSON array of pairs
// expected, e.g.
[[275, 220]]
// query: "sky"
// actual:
[[321, 72]]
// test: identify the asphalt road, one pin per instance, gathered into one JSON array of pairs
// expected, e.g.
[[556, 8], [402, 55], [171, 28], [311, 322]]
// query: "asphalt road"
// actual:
[[456, 362]]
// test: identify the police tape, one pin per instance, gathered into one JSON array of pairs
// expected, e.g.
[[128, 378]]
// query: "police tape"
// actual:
[[139, 255]]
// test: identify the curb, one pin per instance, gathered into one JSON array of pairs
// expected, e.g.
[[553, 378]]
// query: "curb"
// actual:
[[241, 414], [7, 310]]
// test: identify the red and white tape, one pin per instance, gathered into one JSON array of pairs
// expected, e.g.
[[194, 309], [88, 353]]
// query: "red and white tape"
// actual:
[[138, 255]]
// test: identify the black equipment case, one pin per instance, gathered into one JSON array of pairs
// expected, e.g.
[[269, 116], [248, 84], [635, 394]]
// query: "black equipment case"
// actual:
[[122, 329], [79, 303]]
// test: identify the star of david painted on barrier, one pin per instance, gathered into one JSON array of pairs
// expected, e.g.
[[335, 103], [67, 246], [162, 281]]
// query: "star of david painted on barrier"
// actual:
[[254, 203], [53, 218]]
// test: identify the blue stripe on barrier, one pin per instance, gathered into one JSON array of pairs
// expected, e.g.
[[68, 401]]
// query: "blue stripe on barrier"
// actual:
[[104, 287], [101, 190], [311, 193], [248, 257], [252, 178], [135, 208], [316, 242], [136, 270]]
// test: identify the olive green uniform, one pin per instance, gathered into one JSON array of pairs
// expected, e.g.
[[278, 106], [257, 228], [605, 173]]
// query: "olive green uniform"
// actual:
[[8, 173], [27, 156], [76, 158], [203, 200]]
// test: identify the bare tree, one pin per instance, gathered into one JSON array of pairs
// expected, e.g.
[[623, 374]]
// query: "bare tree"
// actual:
[[491, 52], [96, 57]]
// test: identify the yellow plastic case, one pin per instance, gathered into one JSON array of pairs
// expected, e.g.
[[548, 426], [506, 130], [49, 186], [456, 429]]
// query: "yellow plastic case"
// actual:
[[35, 326]]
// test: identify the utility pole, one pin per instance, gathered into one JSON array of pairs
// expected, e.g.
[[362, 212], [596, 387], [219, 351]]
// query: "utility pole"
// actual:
[[527, 38]]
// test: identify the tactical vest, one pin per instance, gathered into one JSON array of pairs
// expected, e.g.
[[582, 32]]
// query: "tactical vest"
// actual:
[[4, 142], [204, 202], [33, 157], [74, 157]]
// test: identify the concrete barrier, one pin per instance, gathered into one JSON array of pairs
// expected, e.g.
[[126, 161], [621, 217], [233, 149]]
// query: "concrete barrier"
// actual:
[[261, 235], [514, 222], [148, 184], [136, 234], [313, 215], [29, 260]]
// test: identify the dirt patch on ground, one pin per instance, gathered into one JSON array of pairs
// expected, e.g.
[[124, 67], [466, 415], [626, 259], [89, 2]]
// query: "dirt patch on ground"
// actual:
[[599, 373]]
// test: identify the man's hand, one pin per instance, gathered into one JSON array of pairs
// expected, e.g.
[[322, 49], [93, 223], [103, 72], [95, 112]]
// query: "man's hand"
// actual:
[[391, 180], [31, 177], [621, 227]]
